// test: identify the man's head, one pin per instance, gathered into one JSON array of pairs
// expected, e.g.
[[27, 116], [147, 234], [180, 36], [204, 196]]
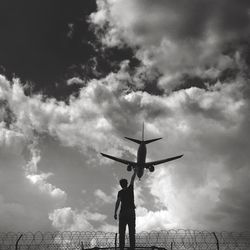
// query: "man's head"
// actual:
[[123, 183]]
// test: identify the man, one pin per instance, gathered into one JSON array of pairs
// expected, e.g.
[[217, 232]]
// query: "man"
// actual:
[[127, 212]]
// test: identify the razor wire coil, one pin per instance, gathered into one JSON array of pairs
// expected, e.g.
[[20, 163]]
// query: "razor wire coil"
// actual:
[[167, 239]]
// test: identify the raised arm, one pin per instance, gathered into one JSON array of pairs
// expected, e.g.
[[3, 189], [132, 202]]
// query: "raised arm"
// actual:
[[133, 177]]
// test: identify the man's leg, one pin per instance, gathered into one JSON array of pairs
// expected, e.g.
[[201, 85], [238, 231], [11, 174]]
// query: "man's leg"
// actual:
[[131, 226], [122, 229]]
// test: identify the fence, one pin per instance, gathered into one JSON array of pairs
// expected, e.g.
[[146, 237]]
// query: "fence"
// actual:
[[170, 240]]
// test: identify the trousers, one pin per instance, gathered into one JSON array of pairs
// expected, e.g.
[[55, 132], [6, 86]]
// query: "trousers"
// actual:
[[127, 218]]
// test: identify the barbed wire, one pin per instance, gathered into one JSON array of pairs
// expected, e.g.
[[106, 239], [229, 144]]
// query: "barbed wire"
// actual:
[[169, 239]]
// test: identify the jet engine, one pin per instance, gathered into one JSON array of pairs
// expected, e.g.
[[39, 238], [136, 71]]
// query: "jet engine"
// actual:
[[129, 168], [151, 168]]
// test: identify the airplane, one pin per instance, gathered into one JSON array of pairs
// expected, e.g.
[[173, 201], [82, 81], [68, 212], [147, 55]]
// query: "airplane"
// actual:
[[141, 163]]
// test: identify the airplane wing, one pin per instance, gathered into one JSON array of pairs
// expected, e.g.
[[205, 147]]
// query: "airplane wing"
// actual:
[[147, 164], [119, 160]]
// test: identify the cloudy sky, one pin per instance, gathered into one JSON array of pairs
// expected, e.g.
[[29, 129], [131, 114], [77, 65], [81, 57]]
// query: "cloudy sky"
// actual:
[[78, 76]]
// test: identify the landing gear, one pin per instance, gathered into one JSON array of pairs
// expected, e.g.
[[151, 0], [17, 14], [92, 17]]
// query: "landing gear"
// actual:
[[129, 168], [151, 168]]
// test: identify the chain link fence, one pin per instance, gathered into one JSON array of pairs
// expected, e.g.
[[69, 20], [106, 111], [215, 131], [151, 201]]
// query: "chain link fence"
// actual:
[[170, 239]]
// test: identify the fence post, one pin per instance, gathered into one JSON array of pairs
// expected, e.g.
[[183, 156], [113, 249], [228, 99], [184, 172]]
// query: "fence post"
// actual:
[[171, 245], [16, 247], [82, 247], [115, 241], [217, 241]]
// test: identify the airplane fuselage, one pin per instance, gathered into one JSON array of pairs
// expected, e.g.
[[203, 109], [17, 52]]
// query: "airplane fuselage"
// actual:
[[141, 159]]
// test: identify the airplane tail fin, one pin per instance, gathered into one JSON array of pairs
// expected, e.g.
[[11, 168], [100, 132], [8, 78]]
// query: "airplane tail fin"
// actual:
[[142, 139]]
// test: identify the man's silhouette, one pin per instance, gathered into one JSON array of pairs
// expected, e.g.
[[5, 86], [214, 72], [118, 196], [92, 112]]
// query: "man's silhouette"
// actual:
[[127, 212]]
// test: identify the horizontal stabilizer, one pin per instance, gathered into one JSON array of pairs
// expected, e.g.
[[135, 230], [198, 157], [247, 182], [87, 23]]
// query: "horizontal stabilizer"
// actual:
[[152, 140], [134, 140]]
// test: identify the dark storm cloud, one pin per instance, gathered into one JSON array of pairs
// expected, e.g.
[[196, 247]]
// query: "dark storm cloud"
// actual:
[[232, 16], [196, 16], [186, 19], [187, 42], [47, 42], [34, 43]]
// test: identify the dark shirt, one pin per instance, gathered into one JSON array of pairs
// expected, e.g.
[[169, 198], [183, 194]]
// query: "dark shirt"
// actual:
[[127, 199]]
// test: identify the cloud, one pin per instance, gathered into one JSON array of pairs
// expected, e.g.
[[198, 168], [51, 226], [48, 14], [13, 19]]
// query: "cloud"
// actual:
[[23, 206], [40, 181], [153, 220], [64, 219], [75, 80], [152, 22], [103, 196], [176, 38], [67, 219], [150, 214], [38, 178], [199, 191], [11, 141]]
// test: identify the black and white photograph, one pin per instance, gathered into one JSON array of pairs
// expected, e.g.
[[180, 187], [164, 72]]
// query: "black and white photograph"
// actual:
[[125, 124]]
